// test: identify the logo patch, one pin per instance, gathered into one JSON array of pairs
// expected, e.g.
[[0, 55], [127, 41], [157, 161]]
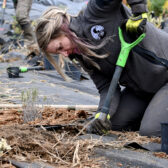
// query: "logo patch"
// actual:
[[97, 32]]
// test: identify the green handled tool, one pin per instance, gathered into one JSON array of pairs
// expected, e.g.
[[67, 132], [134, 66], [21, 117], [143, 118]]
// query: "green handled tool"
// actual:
[[13, 72], [25, 69], [121, 62]]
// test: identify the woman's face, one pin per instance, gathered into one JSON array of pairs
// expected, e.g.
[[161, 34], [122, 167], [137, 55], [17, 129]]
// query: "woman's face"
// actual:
[[61, 45]]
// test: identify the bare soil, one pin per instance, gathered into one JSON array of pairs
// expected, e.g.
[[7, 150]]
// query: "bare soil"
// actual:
[[50, 116]]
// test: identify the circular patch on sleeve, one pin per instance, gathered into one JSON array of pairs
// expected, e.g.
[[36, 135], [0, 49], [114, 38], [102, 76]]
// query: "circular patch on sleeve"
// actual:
[[98, 32]]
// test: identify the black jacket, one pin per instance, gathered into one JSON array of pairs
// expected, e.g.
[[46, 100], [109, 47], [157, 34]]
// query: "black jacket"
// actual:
[[146, 70]]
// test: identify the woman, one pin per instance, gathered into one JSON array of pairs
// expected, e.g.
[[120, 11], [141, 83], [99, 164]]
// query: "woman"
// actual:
[[92, 39]]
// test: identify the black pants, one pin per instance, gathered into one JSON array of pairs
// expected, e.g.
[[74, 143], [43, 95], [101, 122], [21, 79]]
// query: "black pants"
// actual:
[[155, 113], [135, 113], [130, 111]]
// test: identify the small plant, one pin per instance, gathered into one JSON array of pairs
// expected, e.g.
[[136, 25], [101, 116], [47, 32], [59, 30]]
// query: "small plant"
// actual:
[[157, 6], [29, 104], [157, 21], [158, 10]]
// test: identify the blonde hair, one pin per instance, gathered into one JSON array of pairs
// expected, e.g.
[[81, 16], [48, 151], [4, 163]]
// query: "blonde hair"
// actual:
[[55, 22]]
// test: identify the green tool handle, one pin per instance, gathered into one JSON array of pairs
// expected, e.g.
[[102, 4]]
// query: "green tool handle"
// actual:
[[35, 68], [121, 62], [111, 90], [126, 48], [25, 69]]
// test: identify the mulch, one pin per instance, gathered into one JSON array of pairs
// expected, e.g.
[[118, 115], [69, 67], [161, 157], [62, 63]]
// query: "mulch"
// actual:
[[60, 148]]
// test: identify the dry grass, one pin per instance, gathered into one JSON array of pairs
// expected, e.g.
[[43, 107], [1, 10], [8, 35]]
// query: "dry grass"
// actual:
[[32, 144], [50, 116], [62, 148], [129, 137]]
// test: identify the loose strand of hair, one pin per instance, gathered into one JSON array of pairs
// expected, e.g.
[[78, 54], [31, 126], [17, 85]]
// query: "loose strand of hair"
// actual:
[[56, 66]]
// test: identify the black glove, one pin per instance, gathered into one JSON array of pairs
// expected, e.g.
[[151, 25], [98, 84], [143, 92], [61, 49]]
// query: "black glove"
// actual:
[[100, 124], [15, 1], [137, 24]]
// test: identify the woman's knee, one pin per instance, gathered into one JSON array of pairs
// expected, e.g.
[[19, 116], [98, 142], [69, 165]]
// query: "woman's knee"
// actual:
[[149, 131], [155, 114]]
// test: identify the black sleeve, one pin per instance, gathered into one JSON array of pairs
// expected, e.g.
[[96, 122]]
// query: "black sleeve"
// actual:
[[98, 78], [137, 6], [107, 3]]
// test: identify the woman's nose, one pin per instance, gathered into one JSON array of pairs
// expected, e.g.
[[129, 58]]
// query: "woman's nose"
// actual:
[[64, 53]]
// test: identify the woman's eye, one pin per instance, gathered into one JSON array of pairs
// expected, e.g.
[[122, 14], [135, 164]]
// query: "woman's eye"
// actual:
[[60, 48]]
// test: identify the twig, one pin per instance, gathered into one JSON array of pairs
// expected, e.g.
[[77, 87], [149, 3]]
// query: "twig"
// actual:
[[68, 151], [76, 158], [81, 131], [58, 141], [50, 153], [19, 44]]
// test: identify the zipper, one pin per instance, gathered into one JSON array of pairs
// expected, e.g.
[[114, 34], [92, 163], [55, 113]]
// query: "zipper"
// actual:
[[150, 56]]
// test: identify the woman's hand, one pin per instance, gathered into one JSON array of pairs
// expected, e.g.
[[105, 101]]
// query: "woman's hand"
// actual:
[[137, 24], [100, 124]]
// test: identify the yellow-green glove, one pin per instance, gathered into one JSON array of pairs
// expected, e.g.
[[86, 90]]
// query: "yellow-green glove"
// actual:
[[137, 24], [100, 124]]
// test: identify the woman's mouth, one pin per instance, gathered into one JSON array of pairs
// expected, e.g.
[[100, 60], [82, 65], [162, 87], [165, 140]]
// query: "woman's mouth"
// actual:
[[69, 52]]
